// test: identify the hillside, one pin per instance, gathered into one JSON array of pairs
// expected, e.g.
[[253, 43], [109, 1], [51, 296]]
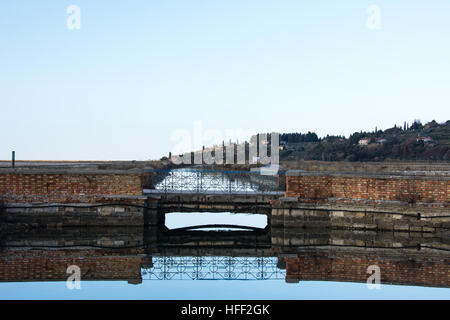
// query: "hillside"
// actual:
[[410, 142]]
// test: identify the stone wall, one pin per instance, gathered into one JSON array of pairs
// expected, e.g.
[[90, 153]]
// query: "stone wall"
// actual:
[[413, 189], [57, 215], [359, 217]]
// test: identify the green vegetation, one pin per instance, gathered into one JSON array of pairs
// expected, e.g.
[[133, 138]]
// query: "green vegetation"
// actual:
[[410, 142]]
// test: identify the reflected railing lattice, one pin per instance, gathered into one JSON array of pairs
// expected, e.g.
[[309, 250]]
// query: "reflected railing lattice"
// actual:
[[212, 181], [214, 268]]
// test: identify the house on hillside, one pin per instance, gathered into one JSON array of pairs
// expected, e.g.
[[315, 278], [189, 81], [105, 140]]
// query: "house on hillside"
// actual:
[[381, 141], [425, 139], [364, 141]]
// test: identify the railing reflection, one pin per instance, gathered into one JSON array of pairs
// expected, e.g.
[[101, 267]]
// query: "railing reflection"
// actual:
[[212, 181], [214, 268]]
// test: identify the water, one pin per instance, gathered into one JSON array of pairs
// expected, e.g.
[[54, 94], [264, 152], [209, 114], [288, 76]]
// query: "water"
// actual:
[[157, 263], [210, 255], [209, 181], [214, 290]]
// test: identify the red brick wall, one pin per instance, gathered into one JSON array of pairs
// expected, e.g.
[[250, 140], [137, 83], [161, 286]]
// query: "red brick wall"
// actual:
[[367, 188], [16, 187], [39, 265], [353, 268]]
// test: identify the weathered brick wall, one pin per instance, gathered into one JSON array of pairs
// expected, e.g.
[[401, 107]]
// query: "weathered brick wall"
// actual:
[[39, 265], [426, 271], [352, 187], [97, 264], [65, 187]]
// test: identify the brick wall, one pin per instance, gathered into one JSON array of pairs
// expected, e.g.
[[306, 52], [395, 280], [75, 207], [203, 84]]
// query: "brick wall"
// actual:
[[353, 187], [39, 265], [426, 271], [66, 186]]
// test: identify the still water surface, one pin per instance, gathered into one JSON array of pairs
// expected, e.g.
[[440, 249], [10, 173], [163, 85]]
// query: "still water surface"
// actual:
[[215, 289], [207, 264], [205, 255]]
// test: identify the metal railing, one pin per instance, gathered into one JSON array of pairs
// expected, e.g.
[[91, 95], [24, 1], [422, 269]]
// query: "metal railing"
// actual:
[[212, 181]]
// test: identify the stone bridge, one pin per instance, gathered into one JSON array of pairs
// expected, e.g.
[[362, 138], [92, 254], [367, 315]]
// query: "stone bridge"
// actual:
[[57, 197]]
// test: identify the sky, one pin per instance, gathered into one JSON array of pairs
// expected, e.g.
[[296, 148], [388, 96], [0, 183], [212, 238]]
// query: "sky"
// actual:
[[175, 220], [138, 73]]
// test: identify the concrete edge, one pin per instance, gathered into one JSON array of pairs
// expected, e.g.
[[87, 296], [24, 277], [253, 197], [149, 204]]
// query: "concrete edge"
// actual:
[[444, 176], [68, 171]]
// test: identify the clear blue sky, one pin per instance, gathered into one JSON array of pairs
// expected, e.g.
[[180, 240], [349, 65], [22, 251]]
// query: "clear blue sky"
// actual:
[[138, 70]]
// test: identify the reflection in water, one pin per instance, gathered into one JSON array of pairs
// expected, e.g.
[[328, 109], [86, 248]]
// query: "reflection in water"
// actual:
[[214, 268], [203, 181], [139, 255]]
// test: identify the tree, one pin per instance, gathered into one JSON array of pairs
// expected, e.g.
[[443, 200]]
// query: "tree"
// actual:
[[416, 125]]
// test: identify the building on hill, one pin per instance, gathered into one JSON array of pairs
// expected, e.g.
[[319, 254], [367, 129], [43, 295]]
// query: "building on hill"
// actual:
[[364, 141], [425, 139]]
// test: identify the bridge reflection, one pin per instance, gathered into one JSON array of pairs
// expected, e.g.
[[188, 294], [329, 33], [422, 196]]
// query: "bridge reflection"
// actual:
[[137, 254], [214, 268], [192, 181]]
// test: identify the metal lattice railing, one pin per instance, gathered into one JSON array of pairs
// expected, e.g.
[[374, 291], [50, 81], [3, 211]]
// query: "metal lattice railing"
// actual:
[[201, 181], [214, 268]]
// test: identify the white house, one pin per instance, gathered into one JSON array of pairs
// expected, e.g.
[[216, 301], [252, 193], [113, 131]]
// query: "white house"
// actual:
[[364, 141]]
